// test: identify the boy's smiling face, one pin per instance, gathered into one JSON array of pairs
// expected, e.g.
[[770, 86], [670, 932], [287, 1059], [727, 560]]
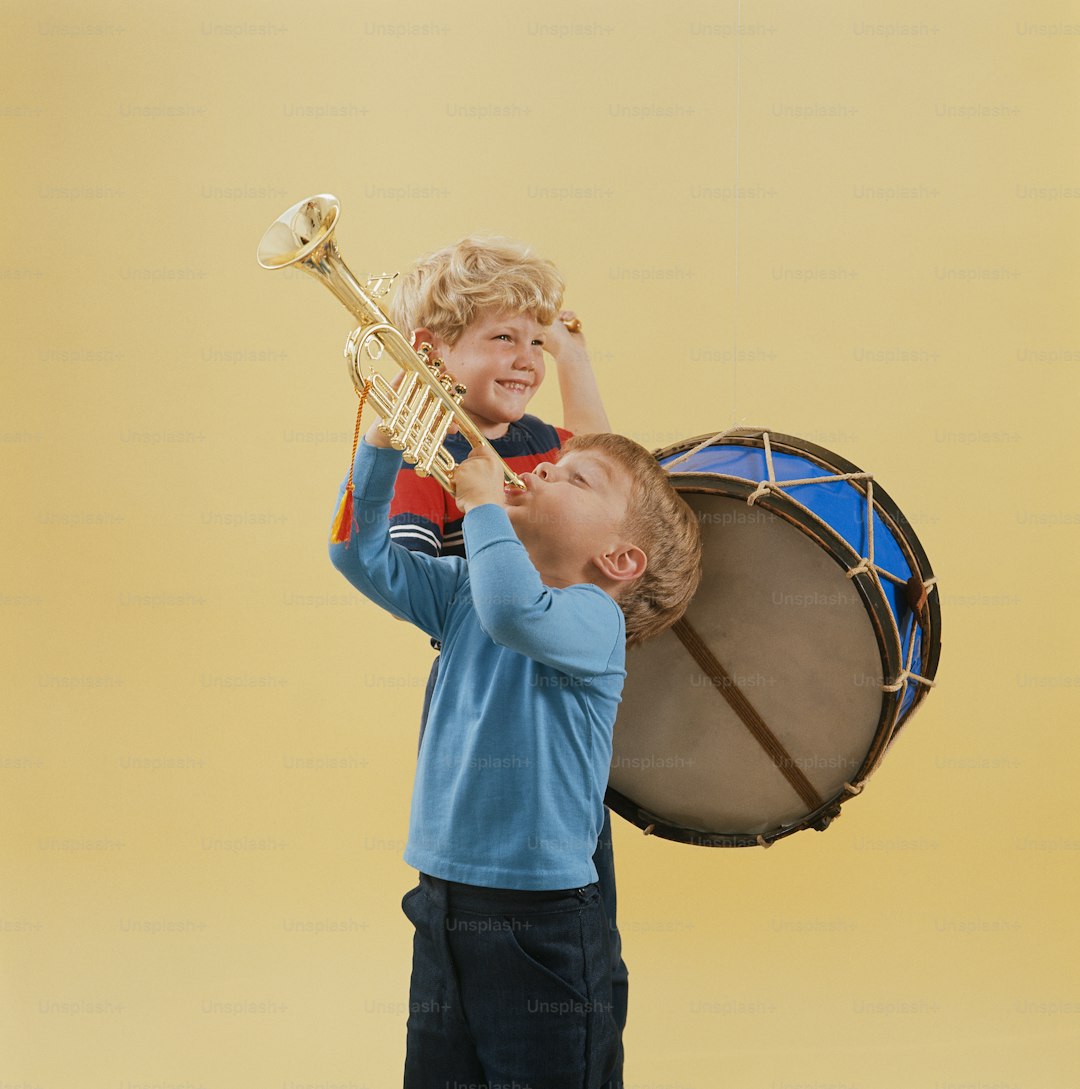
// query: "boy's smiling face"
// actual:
[[500, 359]]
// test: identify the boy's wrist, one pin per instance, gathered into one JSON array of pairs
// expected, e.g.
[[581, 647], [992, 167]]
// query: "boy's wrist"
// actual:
[[573, 357], [468, 503], [479, 480], [480, 515], [375, 437]]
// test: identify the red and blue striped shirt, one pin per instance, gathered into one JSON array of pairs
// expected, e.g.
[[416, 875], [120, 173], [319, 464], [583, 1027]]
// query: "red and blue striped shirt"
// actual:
[[424, 518]]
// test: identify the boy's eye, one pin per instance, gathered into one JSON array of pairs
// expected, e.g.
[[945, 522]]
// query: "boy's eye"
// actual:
[[502, 336]]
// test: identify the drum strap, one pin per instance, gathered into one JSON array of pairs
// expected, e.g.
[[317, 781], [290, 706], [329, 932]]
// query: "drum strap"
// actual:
[[737, 701]]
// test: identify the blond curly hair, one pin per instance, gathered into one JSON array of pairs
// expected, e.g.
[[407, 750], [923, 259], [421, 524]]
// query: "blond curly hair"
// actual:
[[446, 290]]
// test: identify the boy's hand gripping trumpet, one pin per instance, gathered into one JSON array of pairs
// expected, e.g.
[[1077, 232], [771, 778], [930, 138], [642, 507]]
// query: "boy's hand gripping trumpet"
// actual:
[[417, 414]]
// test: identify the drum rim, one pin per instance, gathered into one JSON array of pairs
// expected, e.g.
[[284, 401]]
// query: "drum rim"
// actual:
[[653, 825], [902, 530], [871, 594]]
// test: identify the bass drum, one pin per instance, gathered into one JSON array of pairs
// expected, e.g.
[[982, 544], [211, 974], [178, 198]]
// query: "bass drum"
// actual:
[[814, 636]]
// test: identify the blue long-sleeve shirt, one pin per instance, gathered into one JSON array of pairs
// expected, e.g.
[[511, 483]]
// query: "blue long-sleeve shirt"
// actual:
[[512, 770]]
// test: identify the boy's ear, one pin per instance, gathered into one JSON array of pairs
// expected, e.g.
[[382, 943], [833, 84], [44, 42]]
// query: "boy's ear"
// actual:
[[422, 335], [622, 564]]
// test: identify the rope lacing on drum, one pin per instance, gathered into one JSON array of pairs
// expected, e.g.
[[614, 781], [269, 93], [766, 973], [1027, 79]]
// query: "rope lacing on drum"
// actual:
[[866, 564], [709, 442], [906, 673]]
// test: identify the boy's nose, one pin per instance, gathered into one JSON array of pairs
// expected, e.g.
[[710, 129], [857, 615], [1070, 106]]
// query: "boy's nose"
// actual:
[[528, 354]]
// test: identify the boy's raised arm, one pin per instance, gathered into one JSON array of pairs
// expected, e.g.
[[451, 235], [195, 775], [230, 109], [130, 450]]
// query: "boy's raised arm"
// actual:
[[578, 630], [583, 407], [412, 586]]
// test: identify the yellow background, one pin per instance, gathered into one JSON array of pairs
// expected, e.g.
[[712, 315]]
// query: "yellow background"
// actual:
[[208, 738]]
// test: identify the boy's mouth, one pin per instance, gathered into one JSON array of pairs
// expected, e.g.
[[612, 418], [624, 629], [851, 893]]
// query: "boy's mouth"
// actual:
[[514, 386], [519, 493]]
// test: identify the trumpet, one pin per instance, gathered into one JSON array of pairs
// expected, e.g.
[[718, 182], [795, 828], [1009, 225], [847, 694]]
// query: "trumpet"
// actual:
[[416, 415]]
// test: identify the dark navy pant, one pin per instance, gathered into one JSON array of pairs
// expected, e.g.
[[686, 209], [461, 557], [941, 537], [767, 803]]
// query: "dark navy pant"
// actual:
[[509, 989], [604, 861]]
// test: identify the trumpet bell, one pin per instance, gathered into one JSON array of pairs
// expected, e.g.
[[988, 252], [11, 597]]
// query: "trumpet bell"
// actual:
[[299, 231], [419, 413]]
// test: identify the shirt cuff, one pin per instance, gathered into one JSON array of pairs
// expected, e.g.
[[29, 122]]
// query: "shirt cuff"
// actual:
[[375, 472], [485, 524]]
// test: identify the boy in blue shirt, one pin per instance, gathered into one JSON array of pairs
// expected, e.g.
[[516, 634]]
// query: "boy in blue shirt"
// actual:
[[511, 979], [490, 308]]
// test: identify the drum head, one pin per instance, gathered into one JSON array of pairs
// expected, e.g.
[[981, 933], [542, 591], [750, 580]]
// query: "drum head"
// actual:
[[796, 638]]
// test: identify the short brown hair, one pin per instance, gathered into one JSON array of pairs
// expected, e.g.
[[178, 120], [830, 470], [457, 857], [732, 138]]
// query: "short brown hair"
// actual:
[[446, 290], [660, 522]]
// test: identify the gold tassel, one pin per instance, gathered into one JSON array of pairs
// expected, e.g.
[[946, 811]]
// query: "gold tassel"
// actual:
[[343, 520]]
